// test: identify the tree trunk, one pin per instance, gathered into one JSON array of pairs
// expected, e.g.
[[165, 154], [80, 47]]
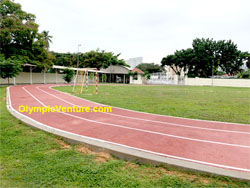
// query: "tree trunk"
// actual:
[[8, 81]]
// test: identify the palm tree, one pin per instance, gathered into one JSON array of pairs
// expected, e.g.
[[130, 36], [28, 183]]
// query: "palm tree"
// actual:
[[47, 38]]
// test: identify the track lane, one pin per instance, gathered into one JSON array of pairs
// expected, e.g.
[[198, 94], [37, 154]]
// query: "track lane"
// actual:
[[147, 116], [77, 103], [158, 127], [145, 140]]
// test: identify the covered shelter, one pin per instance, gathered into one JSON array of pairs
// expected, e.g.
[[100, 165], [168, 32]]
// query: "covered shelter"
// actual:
[[31, 66], [116, 74]]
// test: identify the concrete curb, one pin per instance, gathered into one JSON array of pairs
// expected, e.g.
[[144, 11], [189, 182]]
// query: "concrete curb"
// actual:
[[126, 152]]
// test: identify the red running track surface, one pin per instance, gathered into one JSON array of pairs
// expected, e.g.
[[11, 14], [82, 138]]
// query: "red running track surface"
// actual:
[[219, 144]]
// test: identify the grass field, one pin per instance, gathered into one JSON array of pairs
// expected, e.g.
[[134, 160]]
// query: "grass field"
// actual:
[[209, 103], [33, 158]]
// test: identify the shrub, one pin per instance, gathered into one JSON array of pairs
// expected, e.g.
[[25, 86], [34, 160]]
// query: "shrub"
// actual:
[[244, 74], [69, 74]]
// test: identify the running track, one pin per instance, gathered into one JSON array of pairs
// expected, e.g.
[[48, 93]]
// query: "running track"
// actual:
[[217, 144]]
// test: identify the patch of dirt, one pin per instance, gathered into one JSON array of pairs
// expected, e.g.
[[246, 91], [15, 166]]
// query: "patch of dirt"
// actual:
[[167, 172], [204, 181], [103, 157], [158, 172], [63, 144], [4, 99], [84, 150], [99, 156], [129, 165], [185, 176]]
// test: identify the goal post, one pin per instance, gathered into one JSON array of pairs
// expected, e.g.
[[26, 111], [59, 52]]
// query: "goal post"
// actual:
[[82, 74]]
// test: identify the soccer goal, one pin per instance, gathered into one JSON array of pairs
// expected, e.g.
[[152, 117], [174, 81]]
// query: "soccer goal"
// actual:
[[82, 78]]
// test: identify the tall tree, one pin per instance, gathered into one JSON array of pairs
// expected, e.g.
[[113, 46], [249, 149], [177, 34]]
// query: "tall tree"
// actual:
[[150, 67], [180, 62], [100, 59], [206, 57], [65, 59], [230, 58], [92, 59], [19, 36], [47, 39]]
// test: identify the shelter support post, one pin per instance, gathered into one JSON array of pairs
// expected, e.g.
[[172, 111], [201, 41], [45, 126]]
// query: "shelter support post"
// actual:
[[30, 75], [96, 80]]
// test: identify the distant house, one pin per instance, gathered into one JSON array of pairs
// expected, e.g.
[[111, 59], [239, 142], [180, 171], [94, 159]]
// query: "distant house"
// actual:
[[137, 78]]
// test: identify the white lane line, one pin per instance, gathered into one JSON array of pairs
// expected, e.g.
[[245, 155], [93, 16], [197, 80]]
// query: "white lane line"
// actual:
[[220, 122], [160, 122], [126, 146], [141, 130]]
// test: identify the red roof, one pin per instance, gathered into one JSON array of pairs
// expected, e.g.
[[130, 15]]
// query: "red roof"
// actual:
[[138, 70]]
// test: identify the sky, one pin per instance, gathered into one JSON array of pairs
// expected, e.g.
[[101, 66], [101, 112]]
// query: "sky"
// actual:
[[151, 29]]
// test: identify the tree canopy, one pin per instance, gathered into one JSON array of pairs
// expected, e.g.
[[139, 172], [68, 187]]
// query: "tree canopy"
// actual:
[[19, 36], [47, 39], [65, 59], [92, 59], [150, 67], [9, 68], [206, 57]]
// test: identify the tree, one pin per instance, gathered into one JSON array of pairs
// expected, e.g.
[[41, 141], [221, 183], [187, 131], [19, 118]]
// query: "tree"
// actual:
[[247, 58], [180, 61], [206, 57], [19, 36], [211, 55], [92, 59], [104, 77], [147, 75], [230, 58], [69, 74], [47, 39], [9, 69], [244, 74], [100, 59], [150, 67], [65, 59]]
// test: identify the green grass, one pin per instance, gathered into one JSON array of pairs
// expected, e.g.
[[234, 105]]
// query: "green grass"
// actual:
[[33, 158], [226, 104]]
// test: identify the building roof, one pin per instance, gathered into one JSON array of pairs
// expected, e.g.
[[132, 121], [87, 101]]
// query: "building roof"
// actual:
[[117, 69], [72, 68], [138, 70]]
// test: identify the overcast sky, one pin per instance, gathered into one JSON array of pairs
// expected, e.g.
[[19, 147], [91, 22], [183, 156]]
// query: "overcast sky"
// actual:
[[140, 28]]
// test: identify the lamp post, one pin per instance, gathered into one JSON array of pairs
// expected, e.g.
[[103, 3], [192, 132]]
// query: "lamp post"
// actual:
[[76, 66]]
